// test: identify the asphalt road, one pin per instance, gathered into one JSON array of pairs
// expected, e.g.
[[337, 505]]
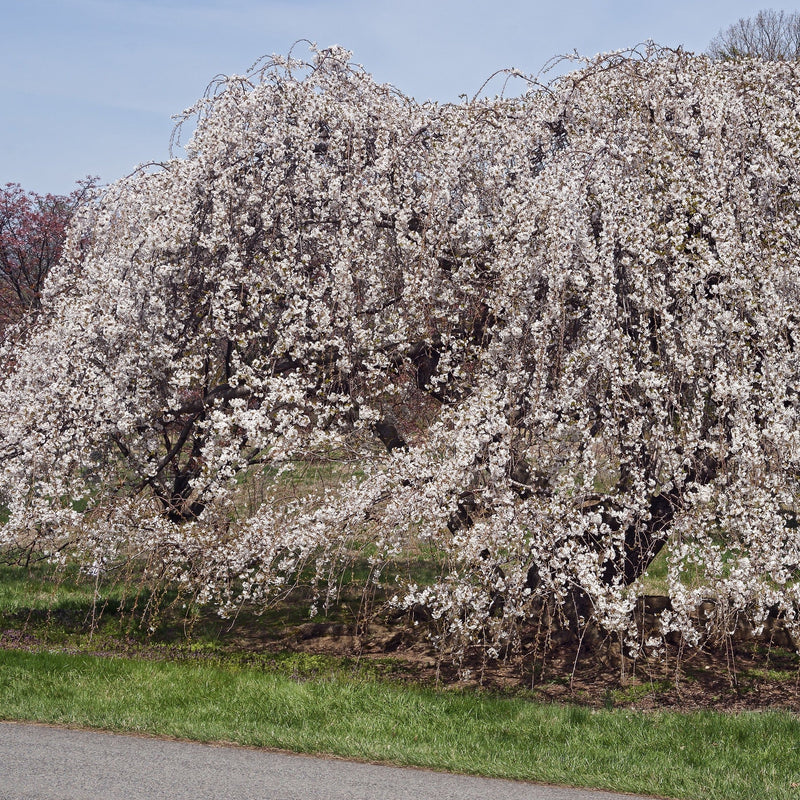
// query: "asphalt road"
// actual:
[[39, 762]]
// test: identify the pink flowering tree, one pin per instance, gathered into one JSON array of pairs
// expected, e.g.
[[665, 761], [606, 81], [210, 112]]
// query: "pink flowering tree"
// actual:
[[32, 233], [547, 338]]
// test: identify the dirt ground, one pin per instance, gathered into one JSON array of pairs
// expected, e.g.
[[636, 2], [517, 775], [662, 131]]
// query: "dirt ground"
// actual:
[[732, 676]]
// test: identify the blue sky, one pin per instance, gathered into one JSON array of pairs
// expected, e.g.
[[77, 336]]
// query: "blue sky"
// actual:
[[90, 86]]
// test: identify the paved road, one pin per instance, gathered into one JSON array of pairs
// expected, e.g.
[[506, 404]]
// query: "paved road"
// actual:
[[39, 762]]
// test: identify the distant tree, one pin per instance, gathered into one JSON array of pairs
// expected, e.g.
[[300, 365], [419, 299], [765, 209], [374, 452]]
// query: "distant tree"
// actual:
[[32, 232], [771, 35]]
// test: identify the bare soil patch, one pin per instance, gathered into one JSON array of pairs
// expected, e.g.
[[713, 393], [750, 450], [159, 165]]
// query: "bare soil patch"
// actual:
[[736, 675]]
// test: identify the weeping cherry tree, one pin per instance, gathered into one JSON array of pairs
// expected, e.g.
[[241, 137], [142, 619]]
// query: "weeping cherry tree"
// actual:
[[554, 336]]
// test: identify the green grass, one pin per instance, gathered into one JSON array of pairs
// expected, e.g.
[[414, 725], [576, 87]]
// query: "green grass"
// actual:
[[700, 755], [43, 588], [654, 580], [60, 604]]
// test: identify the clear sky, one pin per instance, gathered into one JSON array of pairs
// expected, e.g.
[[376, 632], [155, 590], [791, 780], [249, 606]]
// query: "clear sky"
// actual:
[[90, 86]]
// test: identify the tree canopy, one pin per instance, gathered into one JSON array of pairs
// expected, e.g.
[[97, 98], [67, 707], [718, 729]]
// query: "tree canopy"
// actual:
[[551, 335]]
